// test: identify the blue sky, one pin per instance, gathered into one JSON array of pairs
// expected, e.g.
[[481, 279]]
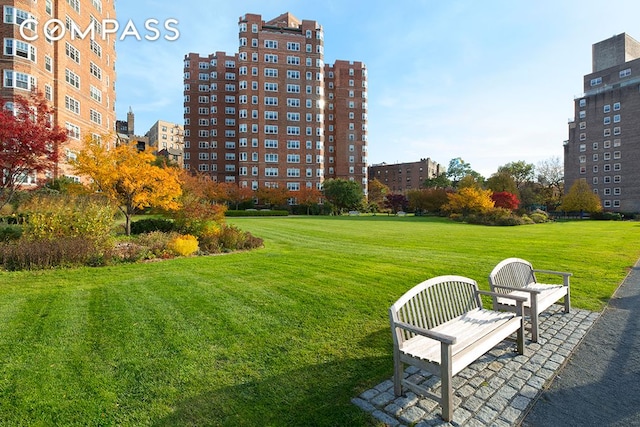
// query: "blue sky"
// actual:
[[492, 82]]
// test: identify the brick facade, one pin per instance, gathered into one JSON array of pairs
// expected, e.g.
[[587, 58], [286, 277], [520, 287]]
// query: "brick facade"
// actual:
[[401, 177], [604, 137], [274, 115], [76, 75]]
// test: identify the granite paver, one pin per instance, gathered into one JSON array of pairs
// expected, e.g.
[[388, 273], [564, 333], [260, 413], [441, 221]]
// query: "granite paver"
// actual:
[[497, 388]]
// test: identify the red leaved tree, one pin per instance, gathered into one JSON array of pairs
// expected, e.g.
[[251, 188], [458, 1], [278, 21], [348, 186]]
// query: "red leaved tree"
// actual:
[[29, 141], [504, 199]]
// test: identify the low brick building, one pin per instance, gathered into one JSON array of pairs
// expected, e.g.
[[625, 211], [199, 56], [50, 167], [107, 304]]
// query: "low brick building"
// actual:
[[401, 177]]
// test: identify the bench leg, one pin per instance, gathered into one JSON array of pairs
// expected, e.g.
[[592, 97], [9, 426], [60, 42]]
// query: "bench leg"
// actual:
[[398, 373], [446, 382], [534, 318], [567, 302]]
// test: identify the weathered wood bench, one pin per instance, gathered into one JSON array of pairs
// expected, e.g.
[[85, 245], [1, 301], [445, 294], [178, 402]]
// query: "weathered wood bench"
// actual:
[[515, 276], [440, 326]]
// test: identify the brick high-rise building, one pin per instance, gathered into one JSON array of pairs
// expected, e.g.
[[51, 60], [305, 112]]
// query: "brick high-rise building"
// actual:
[[604, 137], [74, 70], [274, 114]]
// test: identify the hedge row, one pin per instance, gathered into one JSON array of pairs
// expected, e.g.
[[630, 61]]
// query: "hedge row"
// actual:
[[250, 212]]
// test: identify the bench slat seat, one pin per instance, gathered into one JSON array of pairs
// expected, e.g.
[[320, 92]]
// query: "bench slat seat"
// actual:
[[517, 277], [440, 326], [469, 329]]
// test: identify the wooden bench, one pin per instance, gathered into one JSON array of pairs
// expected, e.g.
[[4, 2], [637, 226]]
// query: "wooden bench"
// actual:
[[515, 276], [440, 326]]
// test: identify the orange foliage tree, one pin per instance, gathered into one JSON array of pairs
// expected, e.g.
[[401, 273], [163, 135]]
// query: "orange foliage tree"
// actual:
[[308, 197], [273, 196], [128, 178]]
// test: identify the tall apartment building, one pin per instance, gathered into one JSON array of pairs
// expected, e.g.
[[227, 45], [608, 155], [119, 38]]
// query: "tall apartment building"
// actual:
[[274, 114], [401, 177], [604, 136], [75, 73]]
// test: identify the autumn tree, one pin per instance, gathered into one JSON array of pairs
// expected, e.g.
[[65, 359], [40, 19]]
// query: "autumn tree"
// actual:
[[273, 196], [581, 198], [200, 214], [506, 200], [29, 141], [235, 195], [308, 197], [343, 194], [377, 191], [128, 178], [469, 200], [427, 200], [396, 202]]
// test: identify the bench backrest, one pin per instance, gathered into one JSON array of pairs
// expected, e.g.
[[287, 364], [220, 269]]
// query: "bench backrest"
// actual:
[[434, 302], [513, 272]]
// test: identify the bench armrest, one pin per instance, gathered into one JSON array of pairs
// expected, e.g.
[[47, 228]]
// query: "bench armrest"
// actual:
[[513, 297], [511, 288], [518, 299], [560, 273], [443, 338]]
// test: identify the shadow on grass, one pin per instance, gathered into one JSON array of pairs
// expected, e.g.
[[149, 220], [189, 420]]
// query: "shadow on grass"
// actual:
[[316, 395]]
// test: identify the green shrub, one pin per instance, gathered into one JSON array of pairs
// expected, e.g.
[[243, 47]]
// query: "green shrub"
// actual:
[[155, 242], [10, 232], [149, 225], [606, 216]]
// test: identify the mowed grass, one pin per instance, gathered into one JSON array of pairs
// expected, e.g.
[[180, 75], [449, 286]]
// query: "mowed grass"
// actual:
[[281, 336]]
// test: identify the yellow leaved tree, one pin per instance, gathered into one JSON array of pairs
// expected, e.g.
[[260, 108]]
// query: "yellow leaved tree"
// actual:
[[128, 177], [469, 200]]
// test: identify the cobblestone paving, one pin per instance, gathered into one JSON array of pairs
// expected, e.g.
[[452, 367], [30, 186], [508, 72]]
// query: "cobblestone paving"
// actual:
[[496, 389]]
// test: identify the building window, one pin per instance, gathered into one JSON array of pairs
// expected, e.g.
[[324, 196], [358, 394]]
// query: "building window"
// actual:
[[18, 16], [95, 71], [616, 106], [73, 131], [72, 52], [71, 104], [13, 47], [625, 73], [96, 93], [606, 108], [95, 117], [597, 81], [583, 103]]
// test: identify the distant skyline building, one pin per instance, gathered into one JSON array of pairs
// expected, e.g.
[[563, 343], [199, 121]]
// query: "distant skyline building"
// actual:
[[274, 114], [402, 177], [76, 75], [604, 136]]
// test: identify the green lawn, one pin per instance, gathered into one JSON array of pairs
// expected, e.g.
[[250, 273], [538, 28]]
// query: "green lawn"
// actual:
[[284, 335]]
